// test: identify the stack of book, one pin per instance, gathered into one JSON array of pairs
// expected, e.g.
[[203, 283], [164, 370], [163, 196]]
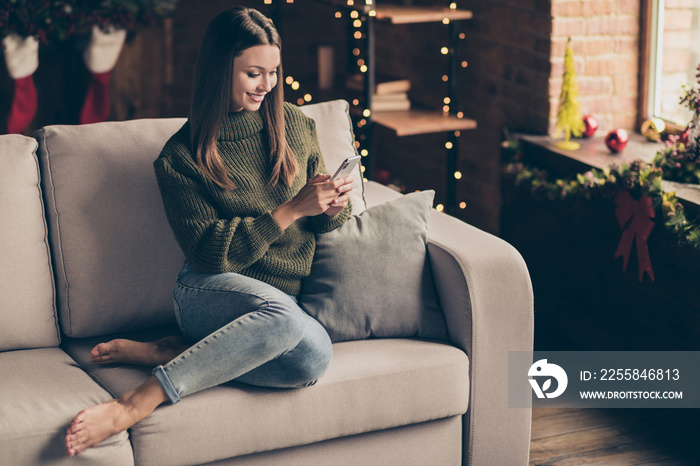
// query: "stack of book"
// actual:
[[390, 94]]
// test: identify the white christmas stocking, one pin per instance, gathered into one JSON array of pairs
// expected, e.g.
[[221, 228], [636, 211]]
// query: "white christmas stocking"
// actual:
[[100, 57], [22, 60]]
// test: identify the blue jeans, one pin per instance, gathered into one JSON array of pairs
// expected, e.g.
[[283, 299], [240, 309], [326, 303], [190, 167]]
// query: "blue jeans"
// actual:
[[247, 331]]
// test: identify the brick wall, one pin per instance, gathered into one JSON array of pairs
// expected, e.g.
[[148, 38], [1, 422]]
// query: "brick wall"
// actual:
[[605, 42]]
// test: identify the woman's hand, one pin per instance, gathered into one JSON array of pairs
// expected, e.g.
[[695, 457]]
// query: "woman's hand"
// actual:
[[340, 202], [318, 196]]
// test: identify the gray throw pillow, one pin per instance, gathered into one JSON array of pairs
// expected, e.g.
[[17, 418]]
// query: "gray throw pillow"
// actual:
[[371, 277]]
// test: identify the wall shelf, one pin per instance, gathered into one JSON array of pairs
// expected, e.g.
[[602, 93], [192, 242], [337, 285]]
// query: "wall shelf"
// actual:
[[398, 14], [418, 121]]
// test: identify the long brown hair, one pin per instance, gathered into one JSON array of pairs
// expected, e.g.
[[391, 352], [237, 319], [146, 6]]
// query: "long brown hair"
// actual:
[[228, 35]]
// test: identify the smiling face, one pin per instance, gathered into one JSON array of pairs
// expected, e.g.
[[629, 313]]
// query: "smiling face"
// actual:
[[254, 75]]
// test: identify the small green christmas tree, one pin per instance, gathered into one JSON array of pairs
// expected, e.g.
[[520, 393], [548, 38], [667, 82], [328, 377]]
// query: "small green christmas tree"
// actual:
[[569, 118]]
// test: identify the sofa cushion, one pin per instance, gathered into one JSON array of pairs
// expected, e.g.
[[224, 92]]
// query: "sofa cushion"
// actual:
[[381, 252], [337, 142], [370, 385], [115, 255], [27, 312], [42, 390]]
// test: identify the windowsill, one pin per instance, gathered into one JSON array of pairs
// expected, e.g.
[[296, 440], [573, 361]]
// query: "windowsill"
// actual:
[[542, 152]]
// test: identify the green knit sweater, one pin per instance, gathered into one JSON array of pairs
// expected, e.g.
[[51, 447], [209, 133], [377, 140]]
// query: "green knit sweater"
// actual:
[[234, 230]]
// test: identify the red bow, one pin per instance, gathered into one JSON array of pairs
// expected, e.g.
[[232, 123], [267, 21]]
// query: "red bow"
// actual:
[[634, 218]]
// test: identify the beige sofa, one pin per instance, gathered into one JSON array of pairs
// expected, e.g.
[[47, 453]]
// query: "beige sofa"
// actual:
[[86, 253]]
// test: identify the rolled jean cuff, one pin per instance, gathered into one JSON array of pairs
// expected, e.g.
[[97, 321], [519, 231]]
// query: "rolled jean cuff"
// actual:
[[165, 382]]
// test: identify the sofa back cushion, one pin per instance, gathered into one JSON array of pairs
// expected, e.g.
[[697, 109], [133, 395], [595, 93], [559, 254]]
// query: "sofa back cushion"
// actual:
[[115, 256], [27, 311]]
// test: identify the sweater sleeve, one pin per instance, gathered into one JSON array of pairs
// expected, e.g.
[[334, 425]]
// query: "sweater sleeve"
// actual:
[[211, 244], [323, 223]]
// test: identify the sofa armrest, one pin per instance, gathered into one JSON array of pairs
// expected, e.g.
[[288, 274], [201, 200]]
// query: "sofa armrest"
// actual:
[[486, 296]]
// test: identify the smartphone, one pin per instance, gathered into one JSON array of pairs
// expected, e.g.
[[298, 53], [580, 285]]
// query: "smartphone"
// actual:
[[346, 167]]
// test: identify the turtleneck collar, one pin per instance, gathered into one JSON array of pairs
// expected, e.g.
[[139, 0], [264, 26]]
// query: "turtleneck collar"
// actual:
[[241, 125]]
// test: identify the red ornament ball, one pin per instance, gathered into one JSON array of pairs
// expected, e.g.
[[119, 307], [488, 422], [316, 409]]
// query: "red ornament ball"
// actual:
[[382, 176], [616, 140], [590, 124]]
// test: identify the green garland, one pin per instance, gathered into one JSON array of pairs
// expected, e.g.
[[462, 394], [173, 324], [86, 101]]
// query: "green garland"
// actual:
[[638, 178]]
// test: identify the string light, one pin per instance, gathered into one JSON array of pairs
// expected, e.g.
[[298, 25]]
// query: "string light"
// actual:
[[289, 80], [462, 35], [307, 97], [357, 144], [338, 14], [357, 23], [356, 52], [446, 108], [357, 35], [445, 78], [366, 113], [457, 134], [439, 207], [354, 14], [465, 64], [360, 62], [363, 69], [268, 2], [364, 153], [460, 115], [295, 85], [458, 175], [300, 101], [362, 169], [448, 145], [444, 50], [356, 102], [462, 205], [446, 100], [453, 6], [446, 21], [373, 12], [351, 2]]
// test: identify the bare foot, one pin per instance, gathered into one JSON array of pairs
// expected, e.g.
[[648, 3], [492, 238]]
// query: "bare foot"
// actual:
[[151, 353], [97, 423]]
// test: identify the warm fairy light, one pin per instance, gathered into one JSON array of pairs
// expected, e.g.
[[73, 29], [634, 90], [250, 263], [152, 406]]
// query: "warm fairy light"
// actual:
[[356, 102], [448, 145], [444, 50], [373, 12], [446, 108], [365, 180], [364, 153], [351, 2], [446, 100], [357, 144], [362, 169], [357, 23], [462, 205], [300, 101], [445, 20], [307, 97], [290, 1], [462, 35], [445, 78], [366, 113], [439, 207], [360, 62], [338, 14], [295, 85], [453, 6], [460, 115], [465, 64], [363, 68], [458, 175], [356, 52], [268, 2], [457, 134], [354, 14], [289, 80], [368, 2], [363, 121], [358, 35]]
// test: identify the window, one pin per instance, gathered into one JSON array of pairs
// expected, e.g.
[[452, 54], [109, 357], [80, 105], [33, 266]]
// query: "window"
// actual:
[[673, 28]]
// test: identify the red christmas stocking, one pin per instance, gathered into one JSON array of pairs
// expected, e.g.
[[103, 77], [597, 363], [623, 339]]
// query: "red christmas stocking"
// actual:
[[100, 57], [22, 60], [97, 104]]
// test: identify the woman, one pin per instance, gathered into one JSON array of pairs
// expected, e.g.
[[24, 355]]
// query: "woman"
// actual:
[[244, 190]]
